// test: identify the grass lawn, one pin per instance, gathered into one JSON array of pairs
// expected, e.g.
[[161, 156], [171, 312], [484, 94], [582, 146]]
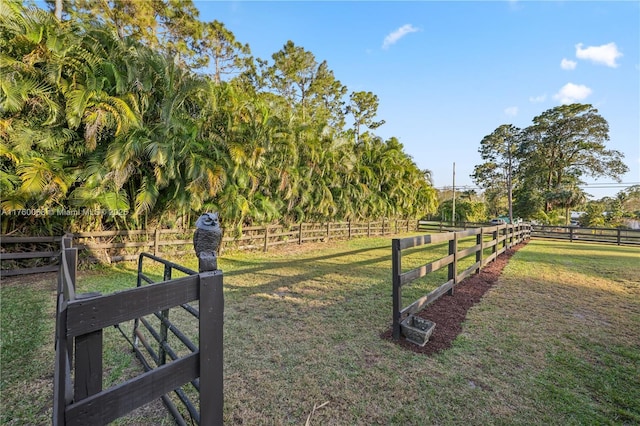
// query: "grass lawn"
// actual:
[[555, 341]]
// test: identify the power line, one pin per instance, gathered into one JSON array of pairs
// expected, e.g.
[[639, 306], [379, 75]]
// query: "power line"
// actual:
[[608, 185]]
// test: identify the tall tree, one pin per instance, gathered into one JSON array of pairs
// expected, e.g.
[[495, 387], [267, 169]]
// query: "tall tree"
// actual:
[[363, 106], [181, 31], [306, 85], [498, 150], [630, 199], [171, 26], [130, 18], [566, 198], [224, 54], [565, 144]]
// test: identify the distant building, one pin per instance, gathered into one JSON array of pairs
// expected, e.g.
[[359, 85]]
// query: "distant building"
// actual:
[[631, 223]]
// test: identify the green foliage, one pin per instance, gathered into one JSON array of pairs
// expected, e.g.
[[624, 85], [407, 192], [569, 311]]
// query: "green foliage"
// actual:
[[109, 115], [545, 163], [466, 211], [363, 106]]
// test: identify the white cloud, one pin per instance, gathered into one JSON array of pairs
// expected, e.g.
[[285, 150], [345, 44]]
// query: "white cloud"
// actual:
[[511, 111], [538, 99], [605, 54], [396, 35], [566, 64], [570, 93]]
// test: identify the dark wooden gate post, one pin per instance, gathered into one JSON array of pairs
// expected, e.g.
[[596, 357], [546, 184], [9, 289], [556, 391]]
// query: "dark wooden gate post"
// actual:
[[211, 353], [62, 385]]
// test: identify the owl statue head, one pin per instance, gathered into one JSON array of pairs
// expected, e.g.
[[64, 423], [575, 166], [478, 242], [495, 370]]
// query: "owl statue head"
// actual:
[[208, 221]]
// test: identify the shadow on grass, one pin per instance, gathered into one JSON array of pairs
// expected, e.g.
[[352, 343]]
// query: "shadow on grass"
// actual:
[[315, 268]]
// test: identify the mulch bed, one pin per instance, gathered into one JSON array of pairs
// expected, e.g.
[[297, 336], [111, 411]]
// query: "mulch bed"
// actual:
[[448, 312]]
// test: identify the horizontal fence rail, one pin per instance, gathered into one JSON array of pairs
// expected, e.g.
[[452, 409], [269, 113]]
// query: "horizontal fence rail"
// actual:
[[619, 236], [42, 254], [585, 234], [79, 397], [501, 238], [126, 245]]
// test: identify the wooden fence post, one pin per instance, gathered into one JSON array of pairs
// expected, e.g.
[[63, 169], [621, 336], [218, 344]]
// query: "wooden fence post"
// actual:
[[266, 238], [328, 230], [62, 370], [368, 229], [396, 270], [211, 343], [156, 242], [71, 255], [503, 232], [349, 226], [300, 233], [619, 235], [453, 266], [479, 253], [62, 386]]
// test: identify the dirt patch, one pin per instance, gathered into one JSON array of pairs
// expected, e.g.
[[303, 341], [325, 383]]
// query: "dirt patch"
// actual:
[[449, 312]]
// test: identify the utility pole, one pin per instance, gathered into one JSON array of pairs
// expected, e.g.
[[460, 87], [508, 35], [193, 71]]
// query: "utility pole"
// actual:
[[453, 218]]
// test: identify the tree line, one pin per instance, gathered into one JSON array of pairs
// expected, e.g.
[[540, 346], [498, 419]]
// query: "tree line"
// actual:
[[141, 109], [144, 113], [539, 170]]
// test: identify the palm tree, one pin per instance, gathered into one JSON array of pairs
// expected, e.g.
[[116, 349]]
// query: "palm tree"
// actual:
[[566, 198], [33, 168]]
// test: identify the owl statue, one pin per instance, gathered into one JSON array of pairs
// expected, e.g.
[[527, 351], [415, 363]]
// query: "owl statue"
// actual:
[[206, 241]]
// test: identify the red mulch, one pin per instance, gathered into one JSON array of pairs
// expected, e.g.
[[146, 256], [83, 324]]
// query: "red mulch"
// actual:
[[448, 312]]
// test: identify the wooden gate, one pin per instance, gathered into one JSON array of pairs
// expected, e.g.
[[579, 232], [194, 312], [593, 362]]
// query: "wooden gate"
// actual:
[[78, 395]]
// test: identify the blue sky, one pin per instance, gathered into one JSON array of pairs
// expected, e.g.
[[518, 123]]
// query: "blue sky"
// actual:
[[449, 73]]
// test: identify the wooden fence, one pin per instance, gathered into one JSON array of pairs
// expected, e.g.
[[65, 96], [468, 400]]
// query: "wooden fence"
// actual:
[[596, 235], [79, 398], [570, 233], [440, 226], [45, 249], [501, 238], [116, 246]]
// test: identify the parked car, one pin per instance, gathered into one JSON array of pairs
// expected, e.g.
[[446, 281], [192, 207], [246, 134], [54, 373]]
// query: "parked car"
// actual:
[[498, 221]]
